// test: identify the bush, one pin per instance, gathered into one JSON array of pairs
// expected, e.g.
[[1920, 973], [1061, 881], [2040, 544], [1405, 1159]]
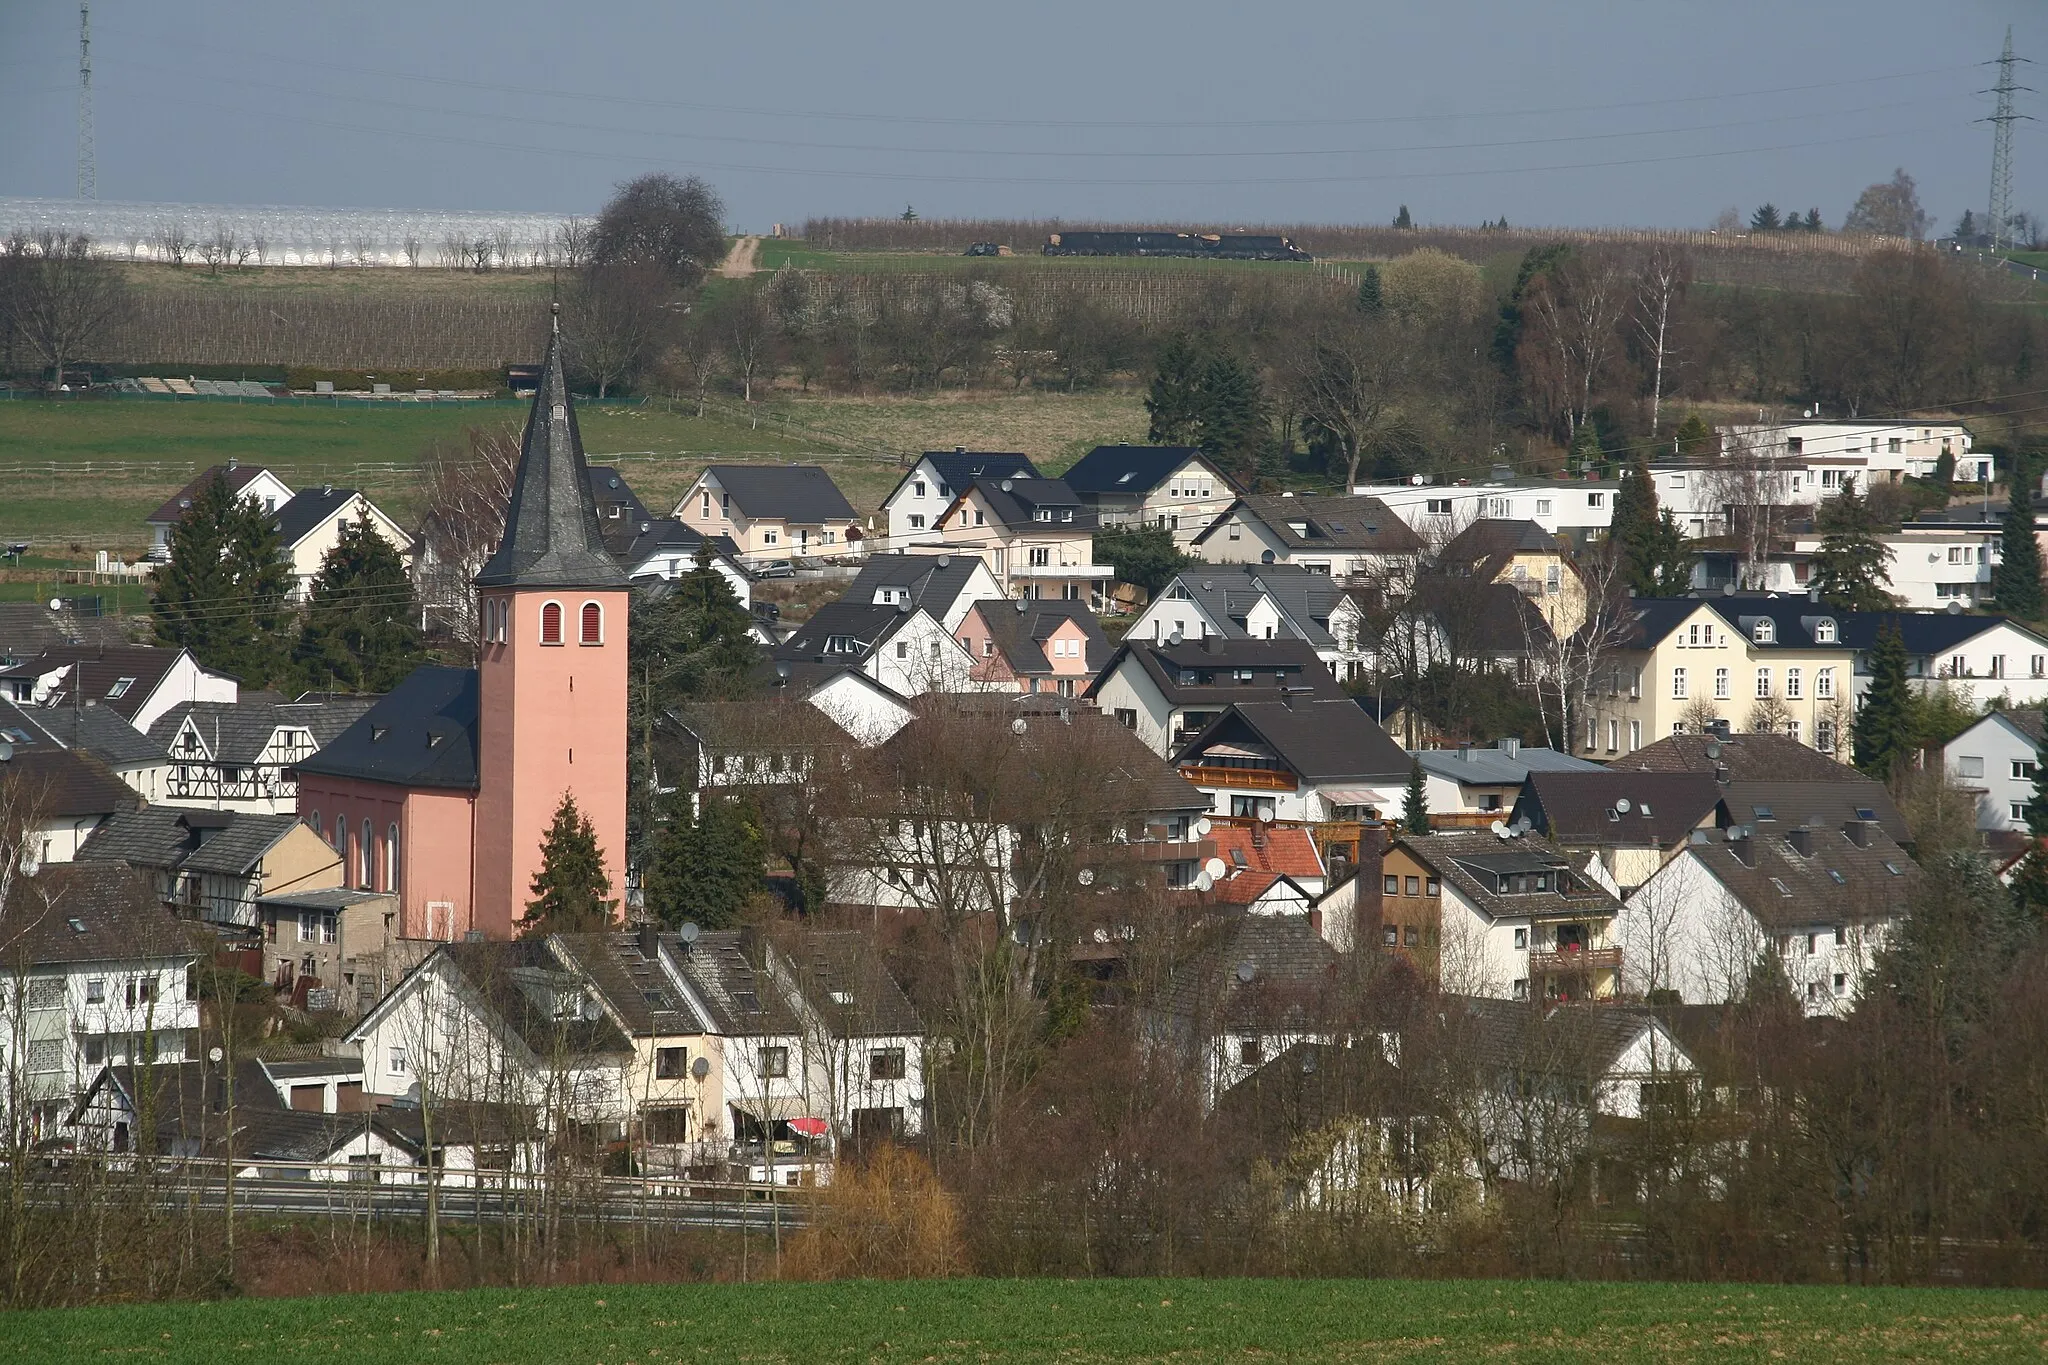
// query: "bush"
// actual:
[[887, 1218]]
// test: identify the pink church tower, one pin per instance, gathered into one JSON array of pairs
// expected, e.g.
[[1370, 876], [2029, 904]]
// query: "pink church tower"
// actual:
[[551, 667]]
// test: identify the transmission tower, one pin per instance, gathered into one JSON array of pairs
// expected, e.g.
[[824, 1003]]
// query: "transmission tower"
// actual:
[[88, 178], [2001, 123]]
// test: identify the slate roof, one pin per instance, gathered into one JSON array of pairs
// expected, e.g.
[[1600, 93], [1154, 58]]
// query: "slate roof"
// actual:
[[1131, 471], [329, 898], [118, 906], [308, 509], [1323, 741], [2027, 720], [635, 985], [1132, 778], [65, 782], [1925, 632], [1463, 858], [29, 628], [742, 1002], [1336, 522], [1767, 758], [1291, 970], [1840, 882], [169, 838], [1016, 507], [422, 734], [518, 981], [933, 582], [633, 543], [1811, 803], [1496, 766], [551, 529], [1485, 538], [956, 469], [102, 732], [96, 670], [238, 731], [615, 499], [867, 625], [1020, 636], [238, 476], [843, 979], [1227, 592], [1578, 809], [796, 494], [1793, 620], [1522, 1037], [1274, 664]]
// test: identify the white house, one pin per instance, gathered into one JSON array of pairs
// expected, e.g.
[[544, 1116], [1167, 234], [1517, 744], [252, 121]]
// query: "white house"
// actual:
[[1261, 602], [914, 504], [1995, 760], [311, 522], [1342, 536], [1169, 693], [137, 682], [1441, 511], [1888, 449], [902, 647], [1989, 657], [253, 481], [1306, 760], [943, 585], [1175, 487]]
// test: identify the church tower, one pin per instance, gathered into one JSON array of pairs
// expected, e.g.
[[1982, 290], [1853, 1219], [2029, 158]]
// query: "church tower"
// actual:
[[551, 665]]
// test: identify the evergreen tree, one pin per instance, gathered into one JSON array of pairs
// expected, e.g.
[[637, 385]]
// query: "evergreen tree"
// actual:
[[362, 626], [225, 594], [1765, 219], [1813, 221], [1141, 555], [1944, 469], [707, 867], [571, 890], [1849, 568], [1966, 227], [1885, 723], [1174, 403], [1370, 300], [1585, 455], [1655, 559], [1695, 439], [1205, 397], [1402, 220], [2030, 879], [1415, 810], [2016, 582]]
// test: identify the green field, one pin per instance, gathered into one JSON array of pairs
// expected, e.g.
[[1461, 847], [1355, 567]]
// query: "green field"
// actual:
[[1048, 1320], [86, 473]]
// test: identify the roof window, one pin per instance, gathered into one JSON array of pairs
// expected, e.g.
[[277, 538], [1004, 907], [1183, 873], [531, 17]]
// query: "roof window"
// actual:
[[77, 925], [1865, 813], [1837, 878], [120, 688], [1762, 812], [1893, 868], [1783, 889]]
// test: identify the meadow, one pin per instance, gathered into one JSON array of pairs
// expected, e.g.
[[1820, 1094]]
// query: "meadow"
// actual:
[[1048, 1320]]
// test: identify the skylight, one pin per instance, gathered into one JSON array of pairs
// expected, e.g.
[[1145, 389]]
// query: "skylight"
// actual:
[[1837, 878], [1865, 813], [120, 688], [1893, 868], [1762, 812], [1783, 889]]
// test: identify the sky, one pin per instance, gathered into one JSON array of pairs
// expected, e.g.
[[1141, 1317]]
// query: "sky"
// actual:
[[1654, 113]]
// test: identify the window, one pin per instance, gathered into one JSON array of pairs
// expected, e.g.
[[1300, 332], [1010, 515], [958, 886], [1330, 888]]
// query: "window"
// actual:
[[917, 521], [1824, 632], [1824, 684], [917, 489], [1824, 736], [1613, 736], [120, 688], [902, 649], [774, 1062], [1411, 936], [1439, 507], [1520, 989], [1677, 692], [1414, 886], [1792, 684], [2024, 769], [1635, 737], [1393, 885], [1678, 480], [1763, 682], [770, 538], [1543, 507], [399, 1062], [551, 623], [1969, 765], [1764, 632], [1250, 1052], [366, 849], [592, 632], [391, 858], [1391, 936], [1959, 554], [886, 1064], [1553, 580], [1721, 683], [2016, 810], [1792, 730], [1431, 886], [1127, 717], [96, 992], [1596, 499], [673, 1063], [313, 820], [1041, 556], [1521, 940]]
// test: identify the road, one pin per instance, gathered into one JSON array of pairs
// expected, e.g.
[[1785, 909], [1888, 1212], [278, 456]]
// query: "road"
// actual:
[[743, 260]]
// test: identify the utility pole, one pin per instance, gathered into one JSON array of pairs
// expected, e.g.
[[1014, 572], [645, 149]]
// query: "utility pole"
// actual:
[[88, 180], [2001, 122]]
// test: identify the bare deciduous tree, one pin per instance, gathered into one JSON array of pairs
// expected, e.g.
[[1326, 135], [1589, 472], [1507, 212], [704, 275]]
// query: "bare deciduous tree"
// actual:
[[1663, 274], [58, 298]]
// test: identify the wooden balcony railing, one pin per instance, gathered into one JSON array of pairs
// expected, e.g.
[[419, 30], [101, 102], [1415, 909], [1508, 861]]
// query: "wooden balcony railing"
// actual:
[[1575, 960], [1249, 779]]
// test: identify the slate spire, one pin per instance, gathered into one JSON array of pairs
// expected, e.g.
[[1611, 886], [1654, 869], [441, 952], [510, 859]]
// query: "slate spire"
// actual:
[[551, 530]]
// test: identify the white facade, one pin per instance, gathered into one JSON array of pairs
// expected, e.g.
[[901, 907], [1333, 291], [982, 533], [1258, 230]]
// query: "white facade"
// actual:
[[1994, 759], [861, 707], [61, 1022], [1889, 450], [2004, 660], [310, 549], [1176, 610], [1238, 537], [1492, 957], [677, 562], [269, 491], [185, 680], [981, 586], [1185, 503], [920, 656], [1439, 511]]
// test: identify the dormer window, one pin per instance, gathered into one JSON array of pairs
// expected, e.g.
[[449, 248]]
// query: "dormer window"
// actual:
[[839, 644], [1765, 631], [1824, 632], [120, 688], [1044, 514]]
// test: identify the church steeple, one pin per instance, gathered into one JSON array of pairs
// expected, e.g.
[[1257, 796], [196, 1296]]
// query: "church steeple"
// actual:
[[551, 530]]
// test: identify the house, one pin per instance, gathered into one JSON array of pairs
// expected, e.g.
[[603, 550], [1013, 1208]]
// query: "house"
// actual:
[[1620, 823], [914, 504], [1579, 508], [665, 549], [1033, 644], [252, 482], [1267, 869], [1942, 558], [1505, 916], [334, 949], [1527, 558], [218, 864], [867, 711], [1986, 658], [1338, 536], [136, 682], [243, 755], [1996, 760], [29, 628], [1470, 785], [1819, 901], [1881, 451], [943, 586], [865, 1037], [1307, 760], [1259, 985], [1168, 693], [311, 522], [443, 790], [771, 512], [1036, 536], [1465, 624], [901, 647], [324, 1085], [1775, 767], [1177, 487], [1261, 602], [713, 745], [97, 973], [68, 794], [105, 736]]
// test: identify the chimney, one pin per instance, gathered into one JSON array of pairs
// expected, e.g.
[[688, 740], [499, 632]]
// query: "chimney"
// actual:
[[1212, 644], [1718, 728], [650, 942], [1858, 832], [1509, 745], [1258, 835], [1743, 848], [1372, 851], [1464, 751], [1801, 840]]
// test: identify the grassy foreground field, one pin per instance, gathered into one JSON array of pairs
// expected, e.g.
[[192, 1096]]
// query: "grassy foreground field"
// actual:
[[1047, 1320]]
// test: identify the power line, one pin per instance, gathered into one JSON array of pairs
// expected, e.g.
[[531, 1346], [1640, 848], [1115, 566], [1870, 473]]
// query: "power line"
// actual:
[[2001, 121]]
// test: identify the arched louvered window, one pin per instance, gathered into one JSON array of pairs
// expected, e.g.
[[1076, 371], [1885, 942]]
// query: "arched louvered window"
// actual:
[[367, 848], [391, 857], [593, 624], [551, 623]]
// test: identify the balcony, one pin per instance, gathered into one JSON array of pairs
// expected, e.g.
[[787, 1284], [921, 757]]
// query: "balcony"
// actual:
[[1572, 960], [1245, 779], [1062, 571]]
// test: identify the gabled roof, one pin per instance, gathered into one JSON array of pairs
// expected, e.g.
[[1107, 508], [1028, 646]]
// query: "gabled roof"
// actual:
[[551, 528], [1359, 524], [308, 509], [933, 582], [1226, 592], [238, 476], [1473, 860], [64, 782], [1480, 618], [1178, 670], [1261, 973], [1312, 1086], [88, 912], [522, 982], [166, 838], [797, 494], [421, 734], [102, 732], [1839, 882], [97, 671], [1497, 766], [867, 626], [1020, 635], [633, 543], [1775, 806], [1759, 757], [1017, 506], [1925, 632], [1323, 741], [615, 499], [842, 977], [1487, 537], [238, 731], [1132, 471], [956, 469], [1582, 809], [1288, 851], [740, 1000], [634, 984], [29, 628], [1584, 1042]]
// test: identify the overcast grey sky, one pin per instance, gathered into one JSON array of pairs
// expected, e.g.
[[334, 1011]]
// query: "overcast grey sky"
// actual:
[[1214, 111]]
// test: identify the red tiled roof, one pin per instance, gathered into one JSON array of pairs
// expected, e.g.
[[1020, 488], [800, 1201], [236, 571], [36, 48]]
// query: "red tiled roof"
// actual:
[[1288, 852]]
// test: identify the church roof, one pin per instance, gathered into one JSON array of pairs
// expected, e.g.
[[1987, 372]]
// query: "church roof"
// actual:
[[552, 538]]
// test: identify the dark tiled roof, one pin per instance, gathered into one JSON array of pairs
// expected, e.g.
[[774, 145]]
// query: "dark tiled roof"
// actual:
[[1811, 803], [1130, 471], [1925, 632], [741, 1001], [118, 907], [421, 735], [2027, 720], [796, 494], [956, 469], [1528, 1038], [238, 477], [65, 782], [1123, 775], [97, 671], [326, 898], [1227, 592], [1323, 741], [933, 582], [1310, 1087], [1020, 635], [1266, 973], [841, 975], [867, 625], [29, 628], [1839, 882], [1485, 538], [1018, 505], [1496, 766], [615, 499], [1220, 659], [520, 981], [632, 546], [168, 838], [308, 509], [239, 731], [1754, 758], [1482, 619], [1794, 619], [551, 528], [636, 987], [1578, 809], [1337, 522], [102, 732], [1463, 858]]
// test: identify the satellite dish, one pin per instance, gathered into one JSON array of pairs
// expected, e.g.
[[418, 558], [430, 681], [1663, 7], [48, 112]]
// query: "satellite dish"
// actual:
[[1086, 876], [213, 1054], [56, 604], [1955, 608], [688, 931], [1523, 825], [1204, 882], [1176, 637], [1499, 827], [1621, 804], [6, 751], [1267, 816], [1727, 590], [1215, 867], [701, 1068], [1018, 727], [1023, 605], [1202, 826], [1713, 748], [1245, 972], [591, 1011], [944, 560], [1502, 833], [1008, 486]]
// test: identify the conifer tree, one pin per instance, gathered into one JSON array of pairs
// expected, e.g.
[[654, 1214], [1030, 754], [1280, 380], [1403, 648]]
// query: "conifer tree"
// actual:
[[2016, 582], [1695, 439], [225, 593], [1415, 809], [1174, 402], [571, 890], [1370, 300], [1655, 560], [2030, 879], [707, 867], [362, 626], [1585, 455], [1884, 724], [1849, 568], [1402, 220], [1205, 397]]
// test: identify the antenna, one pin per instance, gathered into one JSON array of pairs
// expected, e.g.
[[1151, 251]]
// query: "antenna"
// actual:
[[88, 179], [2001, 122]]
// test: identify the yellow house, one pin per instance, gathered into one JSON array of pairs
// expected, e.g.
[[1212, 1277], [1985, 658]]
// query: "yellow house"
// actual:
[[1762, 664], [1523, 554]]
